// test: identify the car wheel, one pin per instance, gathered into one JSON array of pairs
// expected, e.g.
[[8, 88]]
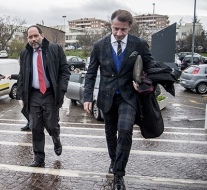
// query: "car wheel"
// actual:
[[74, 102], [72, 67], [96, 112], [201, 88], [13, 92]]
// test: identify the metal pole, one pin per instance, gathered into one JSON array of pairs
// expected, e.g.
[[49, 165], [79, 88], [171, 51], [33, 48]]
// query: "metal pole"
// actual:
[[64, 22], [153, 17], [206, 118], [193, 36]]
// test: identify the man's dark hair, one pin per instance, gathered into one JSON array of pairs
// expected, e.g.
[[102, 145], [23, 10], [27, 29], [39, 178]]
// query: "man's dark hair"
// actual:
[[122, 16], [38, 28]]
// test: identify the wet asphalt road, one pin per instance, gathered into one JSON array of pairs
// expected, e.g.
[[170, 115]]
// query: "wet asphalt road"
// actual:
[[176, 160]]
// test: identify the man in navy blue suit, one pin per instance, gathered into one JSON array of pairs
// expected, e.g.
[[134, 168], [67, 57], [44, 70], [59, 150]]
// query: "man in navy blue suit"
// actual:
[[115, 55]]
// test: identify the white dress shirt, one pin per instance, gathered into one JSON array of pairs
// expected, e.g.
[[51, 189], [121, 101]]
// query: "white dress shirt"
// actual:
[[114, 43], [35, 79]]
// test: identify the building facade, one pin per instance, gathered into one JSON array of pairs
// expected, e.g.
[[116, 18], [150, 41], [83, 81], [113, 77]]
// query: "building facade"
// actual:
[[152, 21], [184, 30], [92, 23], [52, 34]]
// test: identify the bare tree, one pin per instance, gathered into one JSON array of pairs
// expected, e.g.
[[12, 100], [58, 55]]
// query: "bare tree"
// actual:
[[87, 40], [56, 35], [180, 23], [186, 43], [8, 25], [15, 47]]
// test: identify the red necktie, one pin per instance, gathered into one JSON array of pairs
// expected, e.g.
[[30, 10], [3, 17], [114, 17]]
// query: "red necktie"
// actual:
[[40, 73]]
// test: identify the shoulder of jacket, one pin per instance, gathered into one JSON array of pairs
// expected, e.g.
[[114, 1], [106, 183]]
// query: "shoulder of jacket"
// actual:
[[24, 52], [103, 40], [53, 45]]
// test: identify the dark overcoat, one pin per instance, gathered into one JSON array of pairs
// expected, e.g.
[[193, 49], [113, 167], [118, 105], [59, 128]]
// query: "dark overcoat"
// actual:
[[56, 69]]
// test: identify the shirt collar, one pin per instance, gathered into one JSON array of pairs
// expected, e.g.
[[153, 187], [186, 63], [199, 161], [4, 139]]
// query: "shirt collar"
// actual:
[[113, 39], [35, 50]]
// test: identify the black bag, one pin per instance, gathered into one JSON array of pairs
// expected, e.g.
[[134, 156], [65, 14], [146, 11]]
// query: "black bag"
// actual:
[[149, 117]]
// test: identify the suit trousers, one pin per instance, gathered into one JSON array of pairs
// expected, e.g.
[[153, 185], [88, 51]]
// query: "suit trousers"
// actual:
[[121, 118], [43, 114]]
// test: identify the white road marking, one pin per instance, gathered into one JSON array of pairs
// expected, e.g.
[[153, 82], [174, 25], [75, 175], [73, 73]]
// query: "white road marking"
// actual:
[[136, 152], [103, 137], [171, 133], [95, 175], [99, 129]]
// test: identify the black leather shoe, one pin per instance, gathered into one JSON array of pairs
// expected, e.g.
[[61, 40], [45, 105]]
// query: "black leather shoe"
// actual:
[[118, 183], [58, 147], [111, 168], [26, 128], [37, 164]]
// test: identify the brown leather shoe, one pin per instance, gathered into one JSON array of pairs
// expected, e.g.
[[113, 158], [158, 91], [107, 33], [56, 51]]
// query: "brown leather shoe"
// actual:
[[118, 183], [37, 164]]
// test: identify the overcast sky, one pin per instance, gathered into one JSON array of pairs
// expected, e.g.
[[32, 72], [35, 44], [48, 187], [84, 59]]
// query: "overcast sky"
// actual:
[[51, 11]]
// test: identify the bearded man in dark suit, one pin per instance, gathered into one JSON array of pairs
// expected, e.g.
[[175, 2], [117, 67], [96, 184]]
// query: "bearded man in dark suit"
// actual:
[[115, 55]]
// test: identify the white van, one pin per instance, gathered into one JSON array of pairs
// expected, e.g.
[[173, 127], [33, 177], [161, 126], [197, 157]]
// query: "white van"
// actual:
[[8, 67]]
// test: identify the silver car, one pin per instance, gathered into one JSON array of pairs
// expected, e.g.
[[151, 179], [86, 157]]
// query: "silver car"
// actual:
[[195, 78], [75, 92]]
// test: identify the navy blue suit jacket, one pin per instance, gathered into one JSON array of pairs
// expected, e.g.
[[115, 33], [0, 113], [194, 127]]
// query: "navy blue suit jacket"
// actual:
[[101, 58]]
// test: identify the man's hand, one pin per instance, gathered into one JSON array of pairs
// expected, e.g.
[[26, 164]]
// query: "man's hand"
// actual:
[[136, 85], [9, 77], [88, 107], [2, 76]]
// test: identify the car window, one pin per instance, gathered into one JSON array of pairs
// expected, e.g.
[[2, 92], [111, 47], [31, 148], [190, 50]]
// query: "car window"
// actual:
[[74, 59], [195, 60], [187, 59], [79, 59], [206, 70], [75, 77], [190, 69]]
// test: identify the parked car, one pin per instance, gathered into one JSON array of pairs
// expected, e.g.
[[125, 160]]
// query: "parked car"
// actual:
[[69, 47], [181, 55], [8, 67], [3, 54], [195, 77], [204, 60], [177, 60], [197, 59], [75, 62], [76, 88]]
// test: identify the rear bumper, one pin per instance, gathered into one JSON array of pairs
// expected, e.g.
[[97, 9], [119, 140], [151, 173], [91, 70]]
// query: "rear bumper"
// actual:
[[187, 83]]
